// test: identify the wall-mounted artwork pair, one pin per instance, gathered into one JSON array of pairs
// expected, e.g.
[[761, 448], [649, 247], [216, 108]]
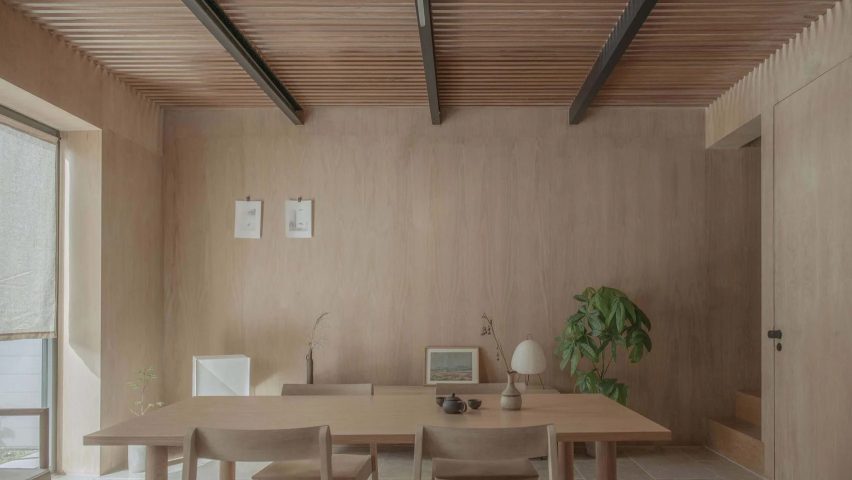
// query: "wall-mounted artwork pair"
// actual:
[[298, 218]]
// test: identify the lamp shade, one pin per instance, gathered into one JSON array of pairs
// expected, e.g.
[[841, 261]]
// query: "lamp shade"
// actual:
[[529, 358]]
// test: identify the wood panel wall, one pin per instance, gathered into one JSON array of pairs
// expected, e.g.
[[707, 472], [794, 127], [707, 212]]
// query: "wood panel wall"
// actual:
[[820, 49], [125, 165], [421, 229]]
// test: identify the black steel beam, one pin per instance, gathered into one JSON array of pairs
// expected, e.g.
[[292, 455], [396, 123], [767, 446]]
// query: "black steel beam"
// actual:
[[214, 18], [424, 24], [625, 29]]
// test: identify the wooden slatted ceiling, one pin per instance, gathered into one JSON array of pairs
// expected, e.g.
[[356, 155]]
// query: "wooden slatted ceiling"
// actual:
[[689, 52], [509, 52], [156, 46], [338, 52], [489, 52]]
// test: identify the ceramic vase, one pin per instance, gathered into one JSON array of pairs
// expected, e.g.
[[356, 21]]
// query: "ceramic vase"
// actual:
[[136, 458], [309, 365], [510, 399]]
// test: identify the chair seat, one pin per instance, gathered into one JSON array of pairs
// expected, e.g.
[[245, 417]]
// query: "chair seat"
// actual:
[[511, 469], [343, 467]]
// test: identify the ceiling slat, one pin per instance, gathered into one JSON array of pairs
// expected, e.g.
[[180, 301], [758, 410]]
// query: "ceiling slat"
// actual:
[[487, 52]]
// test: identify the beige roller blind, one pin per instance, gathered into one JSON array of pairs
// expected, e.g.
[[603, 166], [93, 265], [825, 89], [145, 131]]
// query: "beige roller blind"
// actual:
[[28, 234]]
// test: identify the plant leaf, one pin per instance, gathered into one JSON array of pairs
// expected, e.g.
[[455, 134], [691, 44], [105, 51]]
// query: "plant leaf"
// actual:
[[575, 360], [588, 351], [636, 354]]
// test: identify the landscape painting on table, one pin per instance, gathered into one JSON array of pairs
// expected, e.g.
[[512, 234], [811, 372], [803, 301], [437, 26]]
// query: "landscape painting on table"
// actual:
[[452, 365]]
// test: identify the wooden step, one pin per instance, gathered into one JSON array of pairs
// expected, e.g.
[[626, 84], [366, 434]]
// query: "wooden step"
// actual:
[[737, 440], [747, 406]]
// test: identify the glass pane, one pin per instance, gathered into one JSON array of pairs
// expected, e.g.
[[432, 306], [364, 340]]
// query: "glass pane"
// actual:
[[21, 385], [27, 235]]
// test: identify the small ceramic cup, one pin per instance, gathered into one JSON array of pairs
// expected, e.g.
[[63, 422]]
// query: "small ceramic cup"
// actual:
[[474, 403], [440, 401]]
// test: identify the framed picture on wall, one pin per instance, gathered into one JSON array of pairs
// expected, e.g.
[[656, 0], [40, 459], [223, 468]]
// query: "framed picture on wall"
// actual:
[[248, 217], [452, 365], [299, 218]]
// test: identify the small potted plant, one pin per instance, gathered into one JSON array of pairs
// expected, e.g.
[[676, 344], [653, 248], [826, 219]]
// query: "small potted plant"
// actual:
[[136, 453], [606, 320]]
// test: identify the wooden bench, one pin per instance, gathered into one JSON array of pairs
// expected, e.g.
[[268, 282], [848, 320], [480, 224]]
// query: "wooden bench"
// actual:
[[42, 472]]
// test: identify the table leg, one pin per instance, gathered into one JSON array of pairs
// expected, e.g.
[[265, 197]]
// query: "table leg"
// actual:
[[374, 460], [566, 460], [605, 452], [156, 463], [227, 470]]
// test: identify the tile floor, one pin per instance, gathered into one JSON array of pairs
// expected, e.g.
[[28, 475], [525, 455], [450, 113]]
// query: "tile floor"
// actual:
[[634, 463]]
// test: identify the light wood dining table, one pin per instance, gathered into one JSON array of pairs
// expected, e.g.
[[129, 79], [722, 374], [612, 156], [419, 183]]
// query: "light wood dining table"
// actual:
[[390, 419]]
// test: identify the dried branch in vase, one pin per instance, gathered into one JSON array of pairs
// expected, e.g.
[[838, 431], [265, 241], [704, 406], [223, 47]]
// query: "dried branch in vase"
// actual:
[[314, 340], [488, 329]]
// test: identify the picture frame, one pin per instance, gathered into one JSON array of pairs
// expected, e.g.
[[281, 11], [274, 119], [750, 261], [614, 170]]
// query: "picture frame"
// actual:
[[248, 219], [299, 218], [452, 365]]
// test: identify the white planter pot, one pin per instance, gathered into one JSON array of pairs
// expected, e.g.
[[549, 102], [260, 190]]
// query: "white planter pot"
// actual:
[[136, 458]]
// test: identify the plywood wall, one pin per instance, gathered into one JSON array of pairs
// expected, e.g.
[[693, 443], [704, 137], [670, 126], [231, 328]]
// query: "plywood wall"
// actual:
[[421, 229], [820, 51], [124, 166]]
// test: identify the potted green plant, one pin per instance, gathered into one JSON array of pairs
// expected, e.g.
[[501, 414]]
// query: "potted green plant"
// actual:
[[606, 320], [136, 453]]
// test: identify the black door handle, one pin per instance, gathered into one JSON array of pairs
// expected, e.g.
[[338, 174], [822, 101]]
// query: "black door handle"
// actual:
[[774, 334]]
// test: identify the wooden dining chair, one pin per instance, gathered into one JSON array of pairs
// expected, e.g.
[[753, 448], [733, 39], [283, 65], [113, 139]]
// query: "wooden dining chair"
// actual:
[[298, 454], [327, 389], [444, 389], [479, 453], [337, 389]]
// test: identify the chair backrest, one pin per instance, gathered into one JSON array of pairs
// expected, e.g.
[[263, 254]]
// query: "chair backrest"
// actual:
[[485, 444], [487, 388], [257, 446], [327, 389], [469, 388]]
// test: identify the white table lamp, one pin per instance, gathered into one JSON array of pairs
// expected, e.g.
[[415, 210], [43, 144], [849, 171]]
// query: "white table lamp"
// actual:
[[529, 359]]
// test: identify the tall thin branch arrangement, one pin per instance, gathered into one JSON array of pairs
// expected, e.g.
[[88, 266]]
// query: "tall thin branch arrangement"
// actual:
[[488, 329], [313, 342]]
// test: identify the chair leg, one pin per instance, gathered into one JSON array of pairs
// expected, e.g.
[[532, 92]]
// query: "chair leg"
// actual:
[[374, 460]]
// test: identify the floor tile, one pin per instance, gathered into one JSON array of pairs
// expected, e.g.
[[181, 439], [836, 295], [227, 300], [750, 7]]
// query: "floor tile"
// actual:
[[672, 464], [627, 469]]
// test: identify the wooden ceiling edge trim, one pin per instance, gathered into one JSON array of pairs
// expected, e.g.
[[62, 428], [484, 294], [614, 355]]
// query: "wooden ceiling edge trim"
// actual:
[[211, 15], [427, 48], [625, 30]]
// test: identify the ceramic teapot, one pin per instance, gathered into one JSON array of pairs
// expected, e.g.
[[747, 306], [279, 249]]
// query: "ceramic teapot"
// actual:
[[454, 404]]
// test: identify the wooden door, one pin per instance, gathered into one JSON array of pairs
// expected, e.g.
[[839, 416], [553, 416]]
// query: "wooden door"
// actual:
[[813, 280]]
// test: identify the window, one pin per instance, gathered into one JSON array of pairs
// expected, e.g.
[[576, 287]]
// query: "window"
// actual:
[[28, 224], [28, 281]]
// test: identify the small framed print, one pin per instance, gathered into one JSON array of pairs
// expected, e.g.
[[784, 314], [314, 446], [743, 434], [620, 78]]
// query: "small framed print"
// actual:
[[299, 218], [248, 217], [452, 365]]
